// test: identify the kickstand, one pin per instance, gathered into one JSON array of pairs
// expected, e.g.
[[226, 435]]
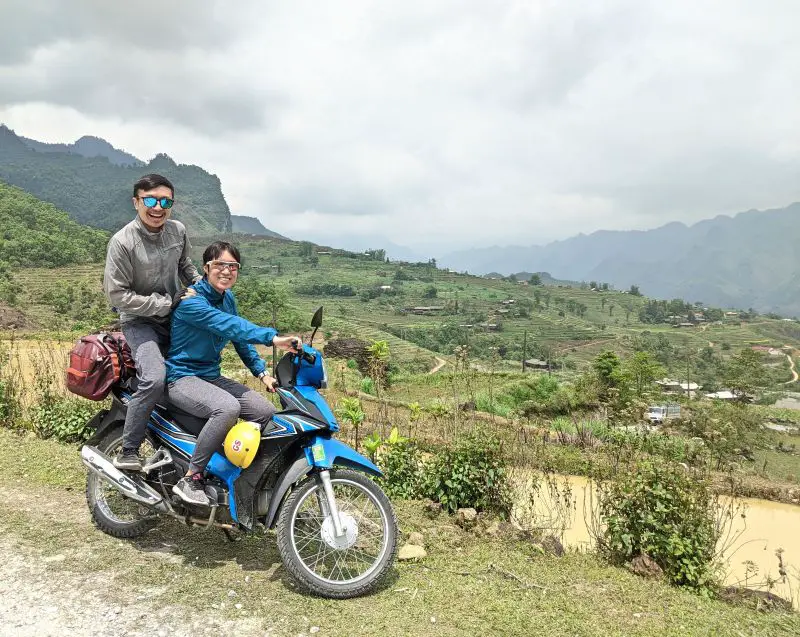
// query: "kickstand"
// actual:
[[229, 535]]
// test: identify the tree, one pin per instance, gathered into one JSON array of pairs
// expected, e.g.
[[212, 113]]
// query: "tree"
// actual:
[[634, 290], [641, 372], [430, 292], [744, 373], [535, 279], [306, 249], [350, 411], [607, 366]]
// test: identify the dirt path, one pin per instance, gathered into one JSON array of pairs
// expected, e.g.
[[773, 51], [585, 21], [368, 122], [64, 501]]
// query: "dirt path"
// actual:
[[440, 362], [793, 370]]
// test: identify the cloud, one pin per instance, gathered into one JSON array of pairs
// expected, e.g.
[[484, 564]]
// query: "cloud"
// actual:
[[437, 124]]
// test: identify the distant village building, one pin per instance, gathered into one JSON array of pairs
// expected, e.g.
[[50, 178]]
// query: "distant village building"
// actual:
[[386, 288], [670, 386], [425, 309], [683, 324], [535, 363], [727, 394], [324, 252], [492, 327], [508, 302]]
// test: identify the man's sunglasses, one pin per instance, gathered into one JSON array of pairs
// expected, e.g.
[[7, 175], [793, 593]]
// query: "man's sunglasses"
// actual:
[[219, 266], [165, 202]]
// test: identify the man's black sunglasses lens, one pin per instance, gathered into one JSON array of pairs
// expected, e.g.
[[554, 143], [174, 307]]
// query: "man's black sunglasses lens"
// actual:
[[165, 202]]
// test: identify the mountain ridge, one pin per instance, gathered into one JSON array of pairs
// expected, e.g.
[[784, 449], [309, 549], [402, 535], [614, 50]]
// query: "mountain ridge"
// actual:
[[743, 260]]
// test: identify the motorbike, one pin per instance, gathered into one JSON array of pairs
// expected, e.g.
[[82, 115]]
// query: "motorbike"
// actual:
[[336, 529]]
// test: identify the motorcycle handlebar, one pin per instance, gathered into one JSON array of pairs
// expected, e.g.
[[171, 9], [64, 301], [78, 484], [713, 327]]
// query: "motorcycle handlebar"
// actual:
[[309, 358]]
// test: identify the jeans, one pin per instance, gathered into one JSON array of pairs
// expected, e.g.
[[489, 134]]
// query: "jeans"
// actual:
[[222, 401], [148, 342]]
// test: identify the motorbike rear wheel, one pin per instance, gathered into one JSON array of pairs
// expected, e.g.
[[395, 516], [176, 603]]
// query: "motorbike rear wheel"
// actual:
[[111, 511], [338, 567]]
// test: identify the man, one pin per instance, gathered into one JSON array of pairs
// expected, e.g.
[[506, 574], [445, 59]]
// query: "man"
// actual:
[[147, 264]]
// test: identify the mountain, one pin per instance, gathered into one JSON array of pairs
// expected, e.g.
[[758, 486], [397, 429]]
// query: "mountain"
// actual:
[[87, 146], [751, 259], [96, 192], [251, 225], [37, 234]]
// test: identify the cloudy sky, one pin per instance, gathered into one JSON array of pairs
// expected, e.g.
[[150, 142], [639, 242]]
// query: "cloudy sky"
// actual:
[[435, 125]]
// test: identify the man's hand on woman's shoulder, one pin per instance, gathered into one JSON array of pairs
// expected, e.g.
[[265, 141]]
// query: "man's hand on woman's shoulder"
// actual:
[[182, 295]]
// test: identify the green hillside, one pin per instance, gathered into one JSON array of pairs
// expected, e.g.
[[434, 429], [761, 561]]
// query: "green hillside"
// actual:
[[36, 233], [96, 192], [363, 294]]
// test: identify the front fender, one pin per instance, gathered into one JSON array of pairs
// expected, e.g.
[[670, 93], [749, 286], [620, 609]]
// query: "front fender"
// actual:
[[323, 453]]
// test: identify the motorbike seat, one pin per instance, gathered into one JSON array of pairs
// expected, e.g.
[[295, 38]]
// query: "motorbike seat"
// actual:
[[190, 423]]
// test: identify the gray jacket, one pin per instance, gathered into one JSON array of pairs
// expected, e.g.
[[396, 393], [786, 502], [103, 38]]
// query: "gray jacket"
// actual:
[[145, 269]]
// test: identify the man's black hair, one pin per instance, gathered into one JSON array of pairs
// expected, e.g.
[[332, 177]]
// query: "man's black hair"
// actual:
[[215, 250], [148, 182]]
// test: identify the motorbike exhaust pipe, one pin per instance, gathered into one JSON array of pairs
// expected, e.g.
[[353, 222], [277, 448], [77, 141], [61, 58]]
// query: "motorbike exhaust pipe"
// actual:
[[101, 465]]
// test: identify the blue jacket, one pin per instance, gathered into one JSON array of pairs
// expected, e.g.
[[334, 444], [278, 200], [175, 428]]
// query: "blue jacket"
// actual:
[[201, 327]]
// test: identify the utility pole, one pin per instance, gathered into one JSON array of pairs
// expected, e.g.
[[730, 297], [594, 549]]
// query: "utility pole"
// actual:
[[524, 349], [688, 358]]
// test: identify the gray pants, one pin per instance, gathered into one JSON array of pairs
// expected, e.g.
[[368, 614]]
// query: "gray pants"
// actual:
[[222, 401], [148, 342]]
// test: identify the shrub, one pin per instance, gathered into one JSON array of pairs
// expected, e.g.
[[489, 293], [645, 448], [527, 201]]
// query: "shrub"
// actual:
[[402, 465], [471, 474], [368, 385], [660, 510], [64, 419]]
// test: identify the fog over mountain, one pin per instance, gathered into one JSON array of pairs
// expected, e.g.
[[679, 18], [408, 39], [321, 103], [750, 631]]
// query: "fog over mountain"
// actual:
[[751, 259]]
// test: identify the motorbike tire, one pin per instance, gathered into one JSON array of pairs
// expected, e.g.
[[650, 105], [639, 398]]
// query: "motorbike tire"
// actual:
[[293, 561], [101, 513]]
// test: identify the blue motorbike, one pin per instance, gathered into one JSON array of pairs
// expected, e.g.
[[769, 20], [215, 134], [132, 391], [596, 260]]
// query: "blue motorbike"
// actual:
[[336, 529]]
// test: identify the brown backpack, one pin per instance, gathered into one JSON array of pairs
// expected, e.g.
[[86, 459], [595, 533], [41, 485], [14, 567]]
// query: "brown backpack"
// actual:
[[97, 362]]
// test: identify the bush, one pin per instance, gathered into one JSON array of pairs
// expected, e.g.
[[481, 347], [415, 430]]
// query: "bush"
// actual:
[[663, 511], [402, 465], [64, 419], [368, 385], [472, 474]]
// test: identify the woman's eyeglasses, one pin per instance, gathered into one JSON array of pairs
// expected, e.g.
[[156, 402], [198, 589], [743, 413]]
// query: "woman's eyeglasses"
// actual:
[[219, 266], [165, 202]]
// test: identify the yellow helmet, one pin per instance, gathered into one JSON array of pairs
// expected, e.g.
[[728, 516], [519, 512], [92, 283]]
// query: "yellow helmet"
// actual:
[[241, 443]]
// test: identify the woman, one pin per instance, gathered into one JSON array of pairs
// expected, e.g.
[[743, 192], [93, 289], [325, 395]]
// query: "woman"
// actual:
[[201, 327]]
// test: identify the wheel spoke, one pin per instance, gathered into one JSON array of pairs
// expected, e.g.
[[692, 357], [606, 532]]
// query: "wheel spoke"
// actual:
[[315, 549]]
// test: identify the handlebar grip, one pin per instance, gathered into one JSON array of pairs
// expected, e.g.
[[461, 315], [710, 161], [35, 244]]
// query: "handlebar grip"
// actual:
[[309, 358]]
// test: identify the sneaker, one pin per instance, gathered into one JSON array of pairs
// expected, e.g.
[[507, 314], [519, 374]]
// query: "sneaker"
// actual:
[[128, 460], [192, 490]]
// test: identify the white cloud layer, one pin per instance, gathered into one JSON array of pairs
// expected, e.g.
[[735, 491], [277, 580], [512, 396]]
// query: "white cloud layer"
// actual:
[[435, 125]]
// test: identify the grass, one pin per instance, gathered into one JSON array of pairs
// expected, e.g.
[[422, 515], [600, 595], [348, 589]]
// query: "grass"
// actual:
[[192, 568]]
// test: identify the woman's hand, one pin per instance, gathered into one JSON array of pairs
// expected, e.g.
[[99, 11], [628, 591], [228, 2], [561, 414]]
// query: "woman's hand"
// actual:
[[292, 344], [270, 382]]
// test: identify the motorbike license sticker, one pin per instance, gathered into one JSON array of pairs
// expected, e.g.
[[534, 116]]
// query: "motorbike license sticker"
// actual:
[[318, 451]]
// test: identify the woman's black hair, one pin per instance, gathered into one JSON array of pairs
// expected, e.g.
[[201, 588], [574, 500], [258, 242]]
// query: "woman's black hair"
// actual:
[[215, 250], [149, 182]]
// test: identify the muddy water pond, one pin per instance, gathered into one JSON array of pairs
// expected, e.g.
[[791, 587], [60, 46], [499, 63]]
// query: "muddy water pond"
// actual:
[[749, 544]]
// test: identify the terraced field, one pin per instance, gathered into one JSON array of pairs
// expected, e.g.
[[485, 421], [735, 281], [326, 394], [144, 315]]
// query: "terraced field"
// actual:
[[572, 323]]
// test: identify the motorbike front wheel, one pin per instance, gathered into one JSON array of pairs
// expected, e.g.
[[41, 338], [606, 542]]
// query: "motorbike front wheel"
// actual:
[[352, 564]]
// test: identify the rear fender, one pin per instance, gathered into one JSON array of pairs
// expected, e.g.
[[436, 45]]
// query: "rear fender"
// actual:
[[102, 422]]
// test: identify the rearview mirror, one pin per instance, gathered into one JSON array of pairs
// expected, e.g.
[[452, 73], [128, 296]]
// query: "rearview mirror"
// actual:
[[316, 320]]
